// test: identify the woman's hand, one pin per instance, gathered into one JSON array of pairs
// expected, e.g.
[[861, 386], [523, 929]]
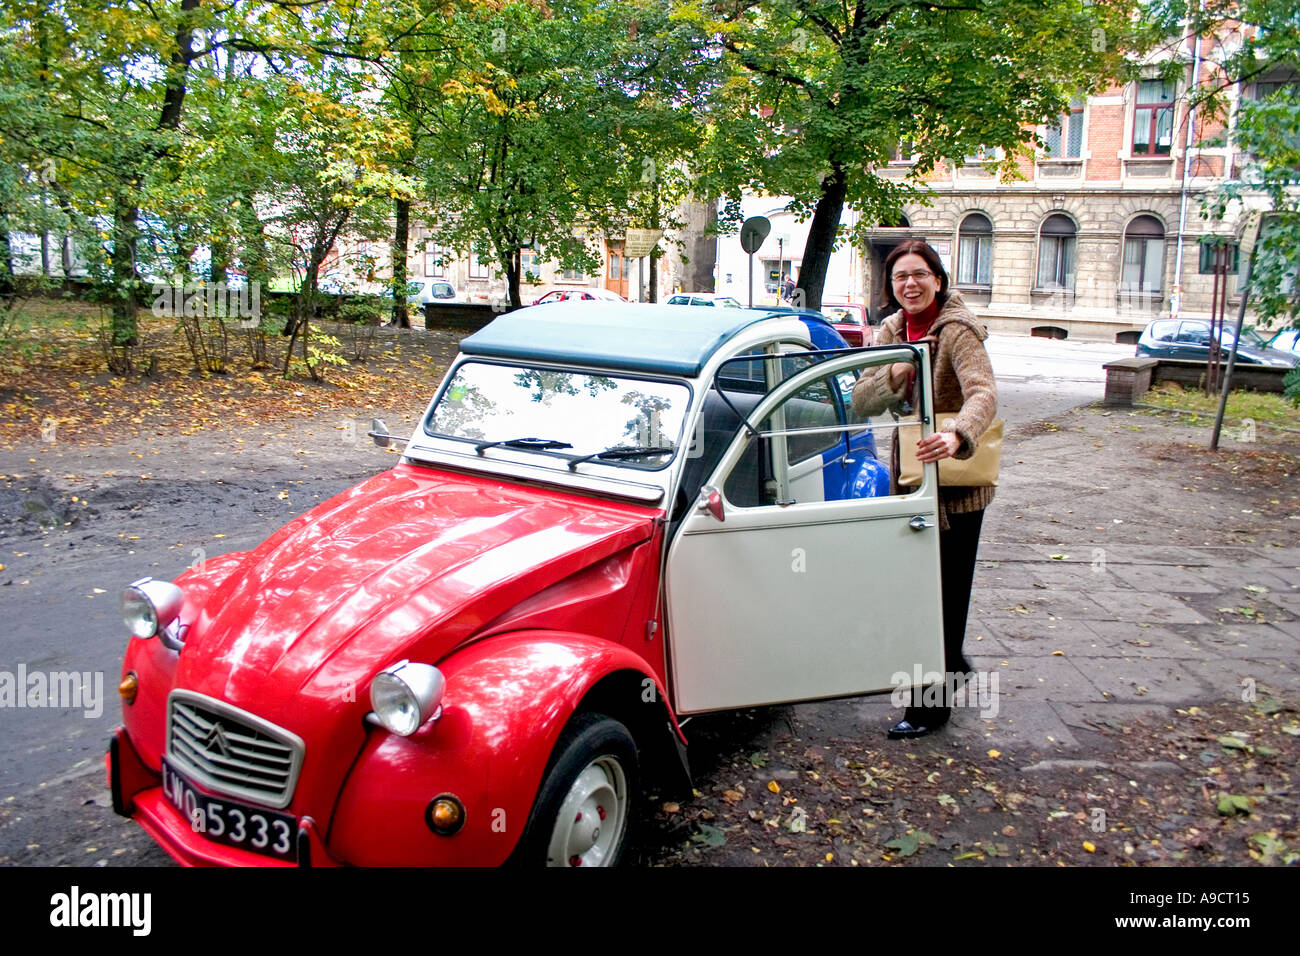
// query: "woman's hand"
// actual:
[[900, 374], [937, 446]]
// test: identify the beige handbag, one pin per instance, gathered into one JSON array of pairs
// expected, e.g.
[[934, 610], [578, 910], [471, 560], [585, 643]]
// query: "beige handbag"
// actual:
[[980, 470]]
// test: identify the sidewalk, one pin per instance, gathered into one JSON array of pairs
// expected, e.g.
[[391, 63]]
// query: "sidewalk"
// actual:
[[1157, 579]]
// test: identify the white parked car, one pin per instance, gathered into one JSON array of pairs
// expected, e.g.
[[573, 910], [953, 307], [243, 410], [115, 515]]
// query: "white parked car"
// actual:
[[713, 299], [425, 291]]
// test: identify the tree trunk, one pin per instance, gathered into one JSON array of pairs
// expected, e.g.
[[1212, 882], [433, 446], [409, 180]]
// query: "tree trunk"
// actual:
[[401, 243], [655, 254], [219, 261], [510, 260], [6, 259], [254, 254], [821, 238], [126, 234]]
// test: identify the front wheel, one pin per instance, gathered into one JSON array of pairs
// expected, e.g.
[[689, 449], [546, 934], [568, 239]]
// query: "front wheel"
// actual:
[[582, 816]]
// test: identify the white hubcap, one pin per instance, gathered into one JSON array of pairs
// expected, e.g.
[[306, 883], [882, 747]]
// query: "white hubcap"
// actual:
[[589, 823]]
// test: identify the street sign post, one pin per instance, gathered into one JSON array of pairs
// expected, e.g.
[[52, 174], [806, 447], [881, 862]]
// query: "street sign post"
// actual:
[[752, 233]]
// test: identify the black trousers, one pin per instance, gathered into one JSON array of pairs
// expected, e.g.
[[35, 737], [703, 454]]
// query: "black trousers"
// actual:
[[957, 550]]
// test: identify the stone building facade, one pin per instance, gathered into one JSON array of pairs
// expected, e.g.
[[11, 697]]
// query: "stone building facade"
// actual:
[[1102, 229]]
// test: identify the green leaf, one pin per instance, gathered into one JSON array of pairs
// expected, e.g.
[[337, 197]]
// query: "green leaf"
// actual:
[[758, 759], [906, 845], [1232, 743], [710, 836], [1231, 804]]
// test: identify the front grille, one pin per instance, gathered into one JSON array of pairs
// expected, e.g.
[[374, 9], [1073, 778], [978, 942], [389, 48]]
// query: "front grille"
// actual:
[[230, 751]]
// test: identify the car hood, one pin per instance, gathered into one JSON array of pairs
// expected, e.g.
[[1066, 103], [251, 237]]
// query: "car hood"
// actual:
[[410, 563]]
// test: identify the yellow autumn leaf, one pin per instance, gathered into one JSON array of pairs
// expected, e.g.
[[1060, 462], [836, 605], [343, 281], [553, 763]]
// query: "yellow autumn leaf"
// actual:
[[774, 787], [995, 754], [1088, 845]]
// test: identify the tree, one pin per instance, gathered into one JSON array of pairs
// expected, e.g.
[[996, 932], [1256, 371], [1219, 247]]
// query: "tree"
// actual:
[[1265, 59], [824, 92], [553, 123]]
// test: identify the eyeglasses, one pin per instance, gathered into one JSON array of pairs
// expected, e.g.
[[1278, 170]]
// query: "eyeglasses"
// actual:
[[900, 278]]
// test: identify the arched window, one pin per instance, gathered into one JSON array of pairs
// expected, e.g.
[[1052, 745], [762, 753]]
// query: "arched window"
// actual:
[[975, 250], [1056, 253], [1144, 257]]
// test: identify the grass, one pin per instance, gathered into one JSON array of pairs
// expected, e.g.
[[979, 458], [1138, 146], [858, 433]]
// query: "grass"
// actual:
[[1256, 406], [54, 379]]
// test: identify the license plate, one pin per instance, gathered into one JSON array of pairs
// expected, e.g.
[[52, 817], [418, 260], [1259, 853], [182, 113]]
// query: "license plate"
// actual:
[[229, 822]]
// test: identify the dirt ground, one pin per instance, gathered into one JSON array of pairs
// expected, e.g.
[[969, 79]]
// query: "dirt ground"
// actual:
[[788, 785]]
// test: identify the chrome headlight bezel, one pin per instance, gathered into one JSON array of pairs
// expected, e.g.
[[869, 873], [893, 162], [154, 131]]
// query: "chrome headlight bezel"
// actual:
[[149, 606], [405, 696]]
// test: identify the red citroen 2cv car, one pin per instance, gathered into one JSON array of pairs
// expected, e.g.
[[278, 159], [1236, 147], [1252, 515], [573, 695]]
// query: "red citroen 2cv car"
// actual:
[[607, 519]]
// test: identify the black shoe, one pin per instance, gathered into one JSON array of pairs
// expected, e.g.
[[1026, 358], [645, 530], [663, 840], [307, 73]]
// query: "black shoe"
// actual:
[[919, 722], [905, 730]]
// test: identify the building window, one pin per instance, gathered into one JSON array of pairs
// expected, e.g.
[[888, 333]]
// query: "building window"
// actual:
[[1264, 89], [1144, 257], [982, 154], [1153, 118], [902, 152], [1056, 253], [1065, 139], [530, 264], [477, 269], [975, 250], [573, 275], [434, 265], [1208, 248]]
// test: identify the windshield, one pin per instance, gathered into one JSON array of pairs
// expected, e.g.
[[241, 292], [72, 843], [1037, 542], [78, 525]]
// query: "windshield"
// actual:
[[563, 414], [1249, 336], [413, 287]]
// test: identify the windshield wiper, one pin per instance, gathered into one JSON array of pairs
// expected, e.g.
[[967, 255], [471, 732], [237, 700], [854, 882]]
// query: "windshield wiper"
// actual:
[[637, 451], [530, 443]]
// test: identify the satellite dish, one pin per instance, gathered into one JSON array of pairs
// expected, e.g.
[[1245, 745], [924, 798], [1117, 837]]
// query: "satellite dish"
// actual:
[[753, 232]]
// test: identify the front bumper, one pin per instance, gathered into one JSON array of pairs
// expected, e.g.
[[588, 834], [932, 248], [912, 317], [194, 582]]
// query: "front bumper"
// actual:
[[137, 793]]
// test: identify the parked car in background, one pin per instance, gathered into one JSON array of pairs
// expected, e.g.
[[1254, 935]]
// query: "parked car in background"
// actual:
[[1287, 340], [1190, 339], [427, 291], [608, 518], [713, 299], [850, 320], [579, 295]]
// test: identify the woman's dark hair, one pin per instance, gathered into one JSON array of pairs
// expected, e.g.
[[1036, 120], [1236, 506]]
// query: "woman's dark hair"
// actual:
[[913, 247]]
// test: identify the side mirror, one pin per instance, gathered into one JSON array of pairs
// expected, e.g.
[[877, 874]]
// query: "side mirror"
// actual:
[[379, 433], [710, 500]]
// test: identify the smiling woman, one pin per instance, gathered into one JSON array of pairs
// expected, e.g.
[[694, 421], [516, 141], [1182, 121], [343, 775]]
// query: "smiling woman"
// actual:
[[963, 380]]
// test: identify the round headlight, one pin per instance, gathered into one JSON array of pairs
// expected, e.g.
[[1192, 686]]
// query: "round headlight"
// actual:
[[406, 695], [148, 606]]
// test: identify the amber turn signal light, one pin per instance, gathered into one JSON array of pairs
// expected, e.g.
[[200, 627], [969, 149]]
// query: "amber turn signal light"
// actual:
[[445, 814], [129, 686]]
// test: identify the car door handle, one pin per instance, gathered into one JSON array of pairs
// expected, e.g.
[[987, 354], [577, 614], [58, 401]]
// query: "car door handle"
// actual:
[[919, 523]]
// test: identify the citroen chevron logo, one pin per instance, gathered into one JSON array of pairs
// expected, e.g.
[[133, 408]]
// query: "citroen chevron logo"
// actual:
[[215, 741]]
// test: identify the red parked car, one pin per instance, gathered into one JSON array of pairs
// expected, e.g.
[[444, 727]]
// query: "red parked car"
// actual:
[[850, 320], [579, 295], [597, 528]]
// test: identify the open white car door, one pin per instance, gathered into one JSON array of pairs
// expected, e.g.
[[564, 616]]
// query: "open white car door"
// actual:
[[775, 594]]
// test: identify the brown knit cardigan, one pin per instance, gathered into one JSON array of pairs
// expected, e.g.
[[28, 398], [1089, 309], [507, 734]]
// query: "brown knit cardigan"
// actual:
[[963, 379]]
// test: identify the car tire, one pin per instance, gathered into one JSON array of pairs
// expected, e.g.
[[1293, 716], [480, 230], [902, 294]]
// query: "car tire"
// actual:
[[582, 814]]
